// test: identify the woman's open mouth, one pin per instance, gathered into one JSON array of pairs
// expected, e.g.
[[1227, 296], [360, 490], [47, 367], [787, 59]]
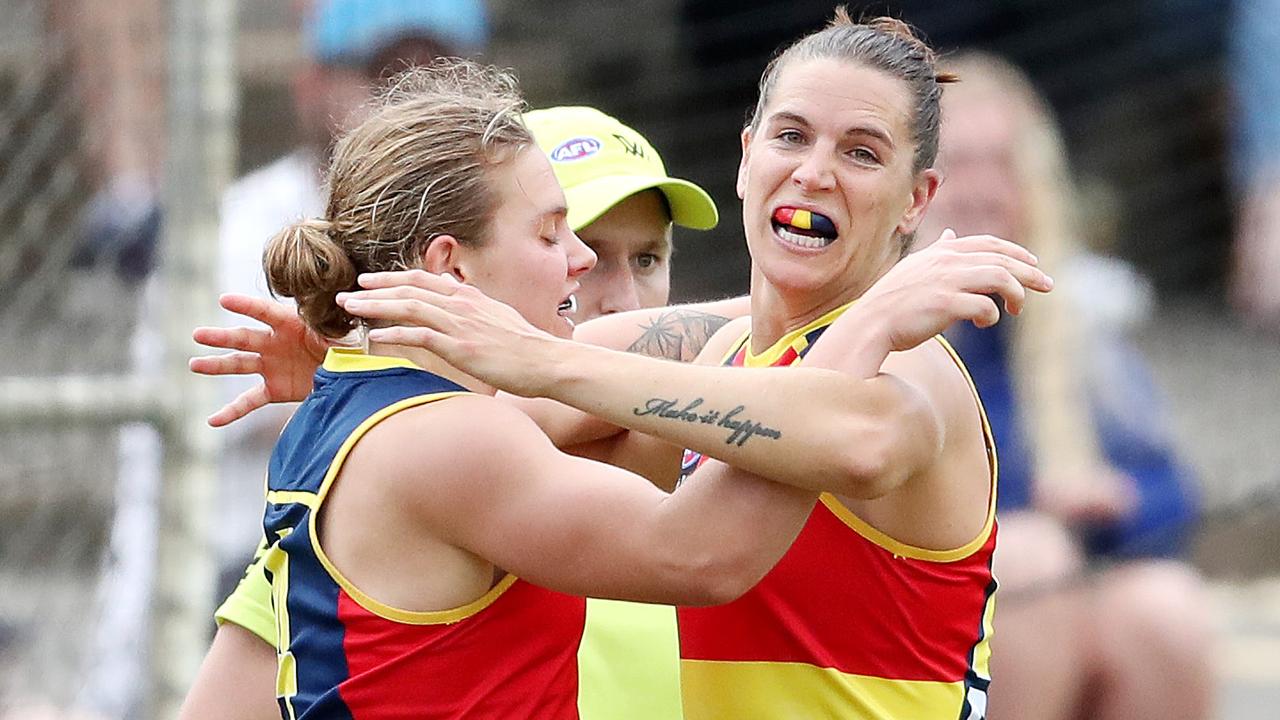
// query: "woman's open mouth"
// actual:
[[568, 307], [804, 228]]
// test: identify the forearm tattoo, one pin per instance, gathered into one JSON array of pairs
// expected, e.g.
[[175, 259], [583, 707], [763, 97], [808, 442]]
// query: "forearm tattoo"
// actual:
[[677, 334], [741, 429]]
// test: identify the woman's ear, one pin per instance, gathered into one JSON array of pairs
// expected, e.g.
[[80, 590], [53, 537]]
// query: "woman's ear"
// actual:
[[922, 191], [741, 185], [444, 254]]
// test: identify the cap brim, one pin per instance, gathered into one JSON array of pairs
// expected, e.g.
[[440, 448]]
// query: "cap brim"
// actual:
[[691, 206]]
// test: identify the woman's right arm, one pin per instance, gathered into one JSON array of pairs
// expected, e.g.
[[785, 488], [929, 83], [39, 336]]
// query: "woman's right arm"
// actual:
[[575, 525], [286, 354]]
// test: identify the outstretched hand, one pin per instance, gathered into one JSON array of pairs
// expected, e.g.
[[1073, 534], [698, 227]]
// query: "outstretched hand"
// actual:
[[286, 354], [952, 280], [461, 324]]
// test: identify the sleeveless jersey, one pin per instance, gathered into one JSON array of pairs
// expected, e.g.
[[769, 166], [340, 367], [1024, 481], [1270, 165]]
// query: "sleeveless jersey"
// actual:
[[519, 651], [851, 623]]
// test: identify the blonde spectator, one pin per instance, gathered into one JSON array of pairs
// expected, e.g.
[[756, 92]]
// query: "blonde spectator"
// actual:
[[1083, 465]]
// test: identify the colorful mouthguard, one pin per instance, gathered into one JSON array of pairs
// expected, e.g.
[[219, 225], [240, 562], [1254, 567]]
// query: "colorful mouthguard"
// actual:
[[805, 220]]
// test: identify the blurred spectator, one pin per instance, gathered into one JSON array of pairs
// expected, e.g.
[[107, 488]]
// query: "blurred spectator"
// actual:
[[1255, 57], [1086, 463], [117, 52], [350, 44]]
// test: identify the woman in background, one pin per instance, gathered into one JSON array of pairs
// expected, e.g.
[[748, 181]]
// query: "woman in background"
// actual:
[[1087, 467]]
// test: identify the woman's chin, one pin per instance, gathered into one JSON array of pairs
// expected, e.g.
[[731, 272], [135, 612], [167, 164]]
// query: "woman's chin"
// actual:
[[791, 277], [561, 326]]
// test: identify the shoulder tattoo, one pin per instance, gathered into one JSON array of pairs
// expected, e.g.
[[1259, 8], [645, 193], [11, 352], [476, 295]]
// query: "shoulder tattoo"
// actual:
[[677, 334]]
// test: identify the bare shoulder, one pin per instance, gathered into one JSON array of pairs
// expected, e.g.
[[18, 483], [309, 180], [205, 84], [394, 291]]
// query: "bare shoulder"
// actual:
[[932, 369], [678, 333], [460, 438], [714, 351]]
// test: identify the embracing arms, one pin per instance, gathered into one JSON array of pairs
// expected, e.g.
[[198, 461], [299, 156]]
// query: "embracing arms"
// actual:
[[286, 353], [836, 424], [574, 525]]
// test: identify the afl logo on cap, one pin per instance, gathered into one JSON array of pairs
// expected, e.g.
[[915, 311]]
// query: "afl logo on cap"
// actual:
[[576, 149]]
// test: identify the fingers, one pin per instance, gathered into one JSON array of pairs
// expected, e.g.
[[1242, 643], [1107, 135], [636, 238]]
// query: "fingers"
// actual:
[[268, 312], [247, 402], [397, 292], [1028, 275], [1014, 294], [980, 310], [422, 337], [988, 243], [391, 307], [238, 363], [237, 338], [443, 283]]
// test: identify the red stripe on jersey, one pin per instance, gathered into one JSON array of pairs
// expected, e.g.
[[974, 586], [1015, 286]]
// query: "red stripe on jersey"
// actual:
[[837, 600], [516, 658]]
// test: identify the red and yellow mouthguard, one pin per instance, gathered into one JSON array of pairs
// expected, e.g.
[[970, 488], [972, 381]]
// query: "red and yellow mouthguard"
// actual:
[[805, 220]]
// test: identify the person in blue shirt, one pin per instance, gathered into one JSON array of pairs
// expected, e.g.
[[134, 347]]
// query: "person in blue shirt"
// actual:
[[1088, 469]]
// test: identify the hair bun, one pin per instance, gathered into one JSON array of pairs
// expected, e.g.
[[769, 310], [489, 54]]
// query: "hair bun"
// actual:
[[304, 262]]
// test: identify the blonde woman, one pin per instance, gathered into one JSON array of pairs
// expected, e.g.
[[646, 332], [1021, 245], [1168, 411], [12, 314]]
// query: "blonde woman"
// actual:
[[1084, 465]]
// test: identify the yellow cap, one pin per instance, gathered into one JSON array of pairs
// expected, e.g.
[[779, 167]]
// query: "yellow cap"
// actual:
[[600, 162]]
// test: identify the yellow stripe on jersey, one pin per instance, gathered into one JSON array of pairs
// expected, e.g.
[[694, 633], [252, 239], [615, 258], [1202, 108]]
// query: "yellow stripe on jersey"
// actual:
[[769, 690], [982, 651], [987, 435], [277, 562], [629, 662], [301, 497], [897, 547], [775, 351], [356, 360]]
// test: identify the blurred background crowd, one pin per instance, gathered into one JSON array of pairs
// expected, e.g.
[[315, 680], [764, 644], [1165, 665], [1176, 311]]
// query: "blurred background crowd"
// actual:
[[1134, 145]]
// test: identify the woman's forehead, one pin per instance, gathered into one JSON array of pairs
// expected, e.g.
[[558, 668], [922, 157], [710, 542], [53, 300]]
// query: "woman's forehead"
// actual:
[[530, 185], [835, 90]]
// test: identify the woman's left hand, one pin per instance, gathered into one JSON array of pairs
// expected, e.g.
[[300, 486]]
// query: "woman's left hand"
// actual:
[[286, 354], [471, 331]]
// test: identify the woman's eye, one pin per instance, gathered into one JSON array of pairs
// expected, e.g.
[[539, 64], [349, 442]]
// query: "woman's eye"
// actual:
[[864, 155]]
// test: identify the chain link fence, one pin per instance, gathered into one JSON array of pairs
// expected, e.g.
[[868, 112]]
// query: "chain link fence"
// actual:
[[105, 584]]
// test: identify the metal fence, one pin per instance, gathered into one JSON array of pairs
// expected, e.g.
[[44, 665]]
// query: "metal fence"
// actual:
[[115, 137]]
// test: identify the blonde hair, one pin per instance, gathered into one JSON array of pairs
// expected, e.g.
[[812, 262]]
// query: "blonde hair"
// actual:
[[1048, 341], [416, 168]]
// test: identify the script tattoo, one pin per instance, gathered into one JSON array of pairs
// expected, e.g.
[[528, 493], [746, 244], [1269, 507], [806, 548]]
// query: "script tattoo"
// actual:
[[741, 429], [677, 334]]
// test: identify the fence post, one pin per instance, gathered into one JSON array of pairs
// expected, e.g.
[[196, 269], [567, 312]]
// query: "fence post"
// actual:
[[200, 160]]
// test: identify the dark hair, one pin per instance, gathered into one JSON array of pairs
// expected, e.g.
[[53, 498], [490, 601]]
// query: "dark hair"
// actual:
[[886, 44], [416, 168]]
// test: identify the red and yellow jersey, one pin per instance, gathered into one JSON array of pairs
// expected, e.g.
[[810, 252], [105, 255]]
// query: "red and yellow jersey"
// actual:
[[851, 623], [519, 651]]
